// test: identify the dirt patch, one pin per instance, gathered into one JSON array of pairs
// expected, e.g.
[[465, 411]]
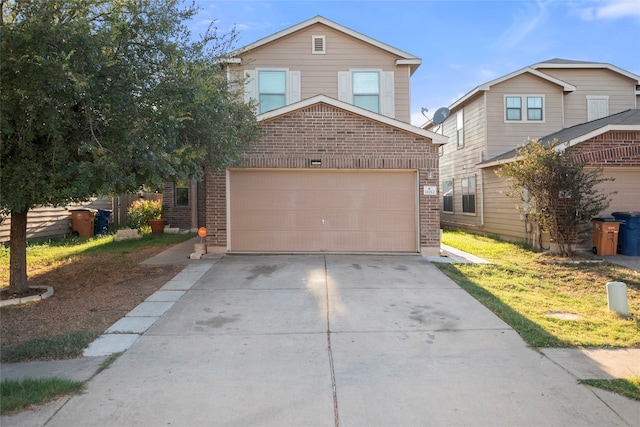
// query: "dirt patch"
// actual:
[[90, 294]]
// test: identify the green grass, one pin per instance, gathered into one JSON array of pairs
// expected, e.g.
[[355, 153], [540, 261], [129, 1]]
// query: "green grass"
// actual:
[[16, 395], [628, 387], [48, 253], [522, 287], [61, 347]]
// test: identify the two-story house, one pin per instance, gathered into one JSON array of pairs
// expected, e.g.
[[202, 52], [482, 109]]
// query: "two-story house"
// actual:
[[338, 167], [584, 105]]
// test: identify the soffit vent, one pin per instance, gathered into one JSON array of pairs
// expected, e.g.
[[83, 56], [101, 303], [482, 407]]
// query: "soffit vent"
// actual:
[[318, 45]]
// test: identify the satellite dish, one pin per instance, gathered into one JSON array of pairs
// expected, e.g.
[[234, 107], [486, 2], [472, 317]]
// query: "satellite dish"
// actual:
[[441, 115]]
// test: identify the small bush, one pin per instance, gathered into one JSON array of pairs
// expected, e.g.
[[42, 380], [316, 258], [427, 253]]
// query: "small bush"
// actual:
[[141, 211]]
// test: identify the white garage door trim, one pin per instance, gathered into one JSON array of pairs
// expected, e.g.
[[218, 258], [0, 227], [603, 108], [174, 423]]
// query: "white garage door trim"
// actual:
[[315, 194]]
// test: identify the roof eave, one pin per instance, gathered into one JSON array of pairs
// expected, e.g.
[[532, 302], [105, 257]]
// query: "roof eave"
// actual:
[[589, 65]]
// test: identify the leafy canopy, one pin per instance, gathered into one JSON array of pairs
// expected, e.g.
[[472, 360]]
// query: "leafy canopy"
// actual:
[[557, 192], [105, 96]]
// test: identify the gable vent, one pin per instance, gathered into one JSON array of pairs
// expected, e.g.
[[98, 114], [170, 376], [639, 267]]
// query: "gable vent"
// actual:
[[318, 46]]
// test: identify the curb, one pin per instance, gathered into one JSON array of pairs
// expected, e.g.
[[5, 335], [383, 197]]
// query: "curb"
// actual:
[[15, 301]]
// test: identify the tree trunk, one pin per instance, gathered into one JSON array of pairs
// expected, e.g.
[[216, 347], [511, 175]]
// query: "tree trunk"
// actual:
[[18, 252]]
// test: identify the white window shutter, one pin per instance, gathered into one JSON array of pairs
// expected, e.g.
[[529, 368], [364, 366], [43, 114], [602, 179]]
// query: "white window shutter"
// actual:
[[294, 87], [387, 91], [597, 107], [344, 87], [251, 86]]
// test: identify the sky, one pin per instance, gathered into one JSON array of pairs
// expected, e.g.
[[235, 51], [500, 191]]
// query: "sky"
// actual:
[[462, 44]]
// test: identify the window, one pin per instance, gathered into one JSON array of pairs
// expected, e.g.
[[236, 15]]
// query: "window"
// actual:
[[272, 86], [469, 195], [532, 104], [366, 90], [597, 107], [534, 108], [318, 46], [460, 129], [182, 194], [447, 196]]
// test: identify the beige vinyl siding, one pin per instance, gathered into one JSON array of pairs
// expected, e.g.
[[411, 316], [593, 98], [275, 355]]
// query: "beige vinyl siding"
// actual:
[[590, 82], [319, 73], [504, 136], [458, 163], [501, 214]]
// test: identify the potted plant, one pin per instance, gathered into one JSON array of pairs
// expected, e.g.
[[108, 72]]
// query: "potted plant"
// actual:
[[143, 212]]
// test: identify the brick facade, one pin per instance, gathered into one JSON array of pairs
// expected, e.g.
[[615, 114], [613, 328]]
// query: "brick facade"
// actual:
[[341, 140], [609, 149]]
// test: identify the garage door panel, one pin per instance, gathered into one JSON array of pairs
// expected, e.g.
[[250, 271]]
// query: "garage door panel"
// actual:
[[325, 210]]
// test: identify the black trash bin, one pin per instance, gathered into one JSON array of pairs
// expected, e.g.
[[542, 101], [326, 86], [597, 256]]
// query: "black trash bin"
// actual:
[[102, 221], [629, 238]]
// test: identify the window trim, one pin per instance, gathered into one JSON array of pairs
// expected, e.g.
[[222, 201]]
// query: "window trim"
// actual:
[[286, 87], [475, 193], [379, 94], [453, 193], [524, 108], [181, 185], [460, 129]]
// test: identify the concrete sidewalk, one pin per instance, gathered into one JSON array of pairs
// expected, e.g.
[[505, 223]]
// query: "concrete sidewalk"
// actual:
[[317, 340]]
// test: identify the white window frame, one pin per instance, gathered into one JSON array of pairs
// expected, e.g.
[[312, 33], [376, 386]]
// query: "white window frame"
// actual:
[[252, 89], [386, 101], [313, 45], [524, 113], [452, 197], [460, 128], [475, 194]]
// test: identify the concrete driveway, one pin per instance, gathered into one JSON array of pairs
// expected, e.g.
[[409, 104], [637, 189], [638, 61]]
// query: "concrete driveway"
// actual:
[[332, 340]]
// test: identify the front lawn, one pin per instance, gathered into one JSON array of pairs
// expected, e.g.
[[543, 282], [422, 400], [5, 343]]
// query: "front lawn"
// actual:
[[550, 303]]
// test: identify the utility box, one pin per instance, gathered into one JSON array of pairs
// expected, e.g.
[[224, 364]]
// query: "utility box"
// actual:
[[82, 222], [629, 232], [605, 236]]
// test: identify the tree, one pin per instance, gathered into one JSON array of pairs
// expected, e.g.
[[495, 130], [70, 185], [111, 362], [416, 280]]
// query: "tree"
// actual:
[[556, 192], [103, 96]]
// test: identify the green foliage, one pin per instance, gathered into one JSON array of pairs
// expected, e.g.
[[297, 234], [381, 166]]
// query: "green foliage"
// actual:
[[558, 193], [141, 211], [103, 97], [65, 346], [15, 395]]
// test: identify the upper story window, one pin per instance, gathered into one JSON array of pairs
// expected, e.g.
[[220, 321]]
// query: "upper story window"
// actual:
[[366, 90], [524, 108], [460, 129], [272, 86], [369, 89]]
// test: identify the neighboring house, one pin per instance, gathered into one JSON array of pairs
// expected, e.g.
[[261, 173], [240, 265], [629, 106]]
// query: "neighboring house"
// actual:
[[339, 167], [584, 104]]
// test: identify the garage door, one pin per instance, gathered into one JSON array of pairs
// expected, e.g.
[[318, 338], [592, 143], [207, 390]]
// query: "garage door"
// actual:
[[322, 210], [627, 186]]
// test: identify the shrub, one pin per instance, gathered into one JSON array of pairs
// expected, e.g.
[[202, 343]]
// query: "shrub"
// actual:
[[141, 211]]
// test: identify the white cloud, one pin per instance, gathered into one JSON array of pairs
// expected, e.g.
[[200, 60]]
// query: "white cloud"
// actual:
[[523, 24], [612, 9]]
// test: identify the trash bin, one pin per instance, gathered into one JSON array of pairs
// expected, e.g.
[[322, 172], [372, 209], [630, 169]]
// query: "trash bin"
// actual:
[[605, 235], [102, 221], [629, 239], [82, 222]]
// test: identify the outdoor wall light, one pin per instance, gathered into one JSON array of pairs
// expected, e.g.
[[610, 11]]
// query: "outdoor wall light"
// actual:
[[316, 162]]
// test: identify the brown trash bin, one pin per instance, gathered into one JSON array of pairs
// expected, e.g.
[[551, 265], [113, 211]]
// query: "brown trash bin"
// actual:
[[82, 222], [605, 236]]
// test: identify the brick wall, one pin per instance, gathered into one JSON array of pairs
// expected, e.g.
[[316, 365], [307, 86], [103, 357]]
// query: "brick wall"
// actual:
[[609, 149], [341, 140]]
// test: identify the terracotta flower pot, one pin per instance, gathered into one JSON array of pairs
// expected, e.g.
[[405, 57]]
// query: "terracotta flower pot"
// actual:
[[157, 225]]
